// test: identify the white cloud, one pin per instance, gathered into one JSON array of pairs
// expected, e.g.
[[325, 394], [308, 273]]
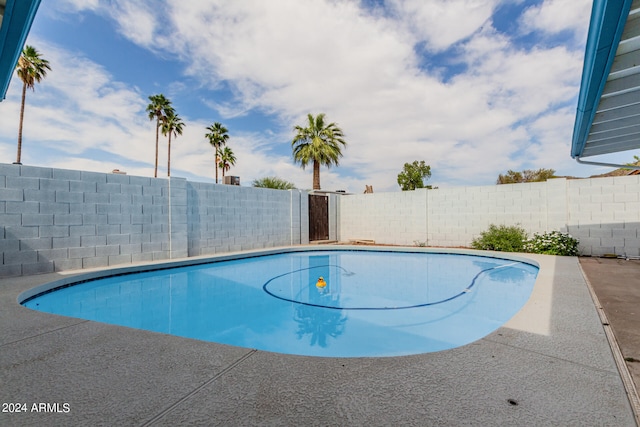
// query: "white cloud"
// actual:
[[88, 91], [524, 82], [442, 23], [136, 21], [362, 71], [77, 5], [78, 108], [509, 108], [554, 16]]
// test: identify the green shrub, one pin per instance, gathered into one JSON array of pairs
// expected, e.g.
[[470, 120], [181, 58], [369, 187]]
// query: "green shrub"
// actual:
[[501, 238], [552, 243], [273, 182]]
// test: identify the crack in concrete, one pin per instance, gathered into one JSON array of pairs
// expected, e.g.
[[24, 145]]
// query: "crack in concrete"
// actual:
[[164, 412], [44, 333]]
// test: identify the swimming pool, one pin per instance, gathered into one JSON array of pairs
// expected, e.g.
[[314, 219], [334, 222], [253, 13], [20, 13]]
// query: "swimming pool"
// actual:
[[373, 303]]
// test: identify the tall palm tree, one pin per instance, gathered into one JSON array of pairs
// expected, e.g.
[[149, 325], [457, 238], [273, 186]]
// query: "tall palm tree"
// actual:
[[172, 124], [157, 109], [227, 159], [320, 143], [218, 137], [31, 69]]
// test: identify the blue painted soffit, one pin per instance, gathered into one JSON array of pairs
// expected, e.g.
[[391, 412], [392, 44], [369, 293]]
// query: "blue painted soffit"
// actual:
[[16, 22], [608, 20]]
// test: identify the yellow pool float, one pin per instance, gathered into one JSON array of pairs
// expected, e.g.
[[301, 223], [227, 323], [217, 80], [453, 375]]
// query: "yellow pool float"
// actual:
[[321, 283]]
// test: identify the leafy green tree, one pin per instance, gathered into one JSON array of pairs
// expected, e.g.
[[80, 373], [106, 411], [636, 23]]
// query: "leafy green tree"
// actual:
[[319, 143], [218, 137], [273, 182], [157, 109], [227, 159], [413, 175], [172, 124], [527, 175], [31, 69]]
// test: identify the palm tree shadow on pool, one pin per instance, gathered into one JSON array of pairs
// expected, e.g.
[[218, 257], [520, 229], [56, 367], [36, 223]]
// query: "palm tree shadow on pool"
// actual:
[[320, 323]]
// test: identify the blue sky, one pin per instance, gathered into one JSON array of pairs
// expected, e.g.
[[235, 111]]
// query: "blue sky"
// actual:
[[473, 88]]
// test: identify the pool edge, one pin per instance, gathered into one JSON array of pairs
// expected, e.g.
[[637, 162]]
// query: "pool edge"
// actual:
[[80, 276]]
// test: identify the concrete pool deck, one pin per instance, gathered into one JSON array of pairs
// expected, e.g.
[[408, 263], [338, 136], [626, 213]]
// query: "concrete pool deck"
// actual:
[[549, 365]]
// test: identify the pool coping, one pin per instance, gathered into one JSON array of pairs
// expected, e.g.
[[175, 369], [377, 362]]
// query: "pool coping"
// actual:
[[524, 374]]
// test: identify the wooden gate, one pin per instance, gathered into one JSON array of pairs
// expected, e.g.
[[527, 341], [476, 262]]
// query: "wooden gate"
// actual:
[[318, 217]]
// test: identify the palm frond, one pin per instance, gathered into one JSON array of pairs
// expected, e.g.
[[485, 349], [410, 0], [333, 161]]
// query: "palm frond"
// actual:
[[31, 67], [318, 143]]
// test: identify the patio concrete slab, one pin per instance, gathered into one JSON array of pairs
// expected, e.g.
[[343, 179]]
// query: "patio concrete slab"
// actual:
[[550, 365], [472, 385], [616, 282], [557, 319], [108, 375]]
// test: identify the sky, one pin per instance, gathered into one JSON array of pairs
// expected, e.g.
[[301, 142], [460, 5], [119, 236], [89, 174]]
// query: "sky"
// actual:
[[472, 87]]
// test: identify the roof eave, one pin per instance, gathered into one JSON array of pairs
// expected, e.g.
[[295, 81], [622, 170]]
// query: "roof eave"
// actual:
[[608, 18], [16, 23]]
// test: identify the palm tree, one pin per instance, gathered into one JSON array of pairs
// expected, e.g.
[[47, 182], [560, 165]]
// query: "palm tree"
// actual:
[[172, 124], [227, 159], [320, 143], [218, 137], [157, 109], [31, 69]]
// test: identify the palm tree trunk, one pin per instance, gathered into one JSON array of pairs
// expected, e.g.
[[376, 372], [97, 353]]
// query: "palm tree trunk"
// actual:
[[24, 95], [169, 156], [316, 175], [155, 172], [216, 165]]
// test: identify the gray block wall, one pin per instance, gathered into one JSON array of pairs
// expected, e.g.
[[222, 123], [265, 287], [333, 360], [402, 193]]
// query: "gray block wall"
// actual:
[[603, 213], [332, 211], [300, 220], [392, 218], [223, 218], [176, 211], [54, 219]]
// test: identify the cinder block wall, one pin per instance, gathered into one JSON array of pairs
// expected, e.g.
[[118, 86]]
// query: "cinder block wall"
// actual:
[[333, 207], [53, 219], [455, 216], [602, 212], [223, 218], [392, 218], [300, 217]]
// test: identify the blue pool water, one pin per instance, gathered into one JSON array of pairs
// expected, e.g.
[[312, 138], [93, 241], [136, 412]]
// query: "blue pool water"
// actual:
[[373, 304]]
